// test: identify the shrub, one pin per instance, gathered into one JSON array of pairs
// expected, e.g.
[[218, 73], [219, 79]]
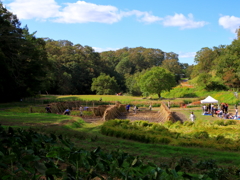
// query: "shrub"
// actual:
[[218, 173], [76, 124], [188, 123], [185, 162], [176, 125], [158, 127], [220, 137], [219, 122], [201, 135], [207, 164], [163, 140], [168, 123], [230, 122]]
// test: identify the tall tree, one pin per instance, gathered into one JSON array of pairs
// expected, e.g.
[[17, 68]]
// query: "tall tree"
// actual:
[[22, 58], [156, 80], [132, 83], [173, 66], [205, 61], [104, 84], [228, 66]]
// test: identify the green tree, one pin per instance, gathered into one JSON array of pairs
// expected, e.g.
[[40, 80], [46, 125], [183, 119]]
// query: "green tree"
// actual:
[[74, 67], [173, 66], [210, 83], [205, 59], [228, 65], [104, 84], [132, 83], [156, 80], [23, 59]]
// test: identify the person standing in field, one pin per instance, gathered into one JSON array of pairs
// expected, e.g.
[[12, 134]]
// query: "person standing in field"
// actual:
[[81, 110], [236, 113], [150, 107], [135, 109], [226, 107], [192, 117], [48, 109], [127, 107], [212, 110], [169, 106], [204, 108]]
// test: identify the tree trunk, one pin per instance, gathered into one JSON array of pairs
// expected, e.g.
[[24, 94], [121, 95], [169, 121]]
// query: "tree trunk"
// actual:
[[159, 95]]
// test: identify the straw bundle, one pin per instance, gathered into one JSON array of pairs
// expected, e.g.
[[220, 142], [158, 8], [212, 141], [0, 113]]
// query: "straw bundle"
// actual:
[[165, 114], [114, 111], [99, 111], [60, 107]]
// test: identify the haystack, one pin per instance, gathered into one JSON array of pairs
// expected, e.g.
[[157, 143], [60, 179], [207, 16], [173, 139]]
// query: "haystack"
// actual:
[[165, 114], [114, 111], [99, 111]]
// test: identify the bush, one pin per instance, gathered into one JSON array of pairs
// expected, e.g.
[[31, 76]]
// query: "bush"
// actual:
[[201, 135], [158, 127], [230, 122], [188, 123], [176, 125], [219, 122], [163, 140], [185, 162], [207, 164], [168, 123]]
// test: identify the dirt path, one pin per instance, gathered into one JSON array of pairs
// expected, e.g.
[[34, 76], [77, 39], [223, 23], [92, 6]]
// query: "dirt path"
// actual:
[[150, 116], [142, 114]]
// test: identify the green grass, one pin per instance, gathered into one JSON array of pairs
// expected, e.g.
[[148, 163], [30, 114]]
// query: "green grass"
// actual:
[[153, 152], [88, 136], [199, 94], [15, 117], [109, 98]]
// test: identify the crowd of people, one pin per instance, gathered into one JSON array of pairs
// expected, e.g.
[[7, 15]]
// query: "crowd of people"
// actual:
[[210, 109], [221, 112]]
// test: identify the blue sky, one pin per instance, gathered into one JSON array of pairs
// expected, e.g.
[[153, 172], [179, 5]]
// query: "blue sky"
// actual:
[[179, 26]]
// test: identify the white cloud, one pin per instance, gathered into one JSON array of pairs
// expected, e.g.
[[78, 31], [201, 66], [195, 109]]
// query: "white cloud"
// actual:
[[97, 49], [146, 17], [183, 22], [229, 22], [83, 12], [187, 55], [34, 9]]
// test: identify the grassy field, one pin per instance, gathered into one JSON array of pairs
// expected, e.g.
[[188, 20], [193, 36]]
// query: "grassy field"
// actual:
[[88, 136]]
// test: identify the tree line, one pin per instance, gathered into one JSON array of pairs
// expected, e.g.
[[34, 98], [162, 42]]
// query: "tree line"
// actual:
[[32, 65], [217, 68]]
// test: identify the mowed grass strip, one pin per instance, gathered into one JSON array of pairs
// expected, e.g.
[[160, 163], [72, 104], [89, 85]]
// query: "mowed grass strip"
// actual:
[[13, 117]]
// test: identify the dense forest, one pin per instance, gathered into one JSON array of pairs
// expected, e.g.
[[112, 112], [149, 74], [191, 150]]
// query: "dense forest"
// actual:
[[32, 65]]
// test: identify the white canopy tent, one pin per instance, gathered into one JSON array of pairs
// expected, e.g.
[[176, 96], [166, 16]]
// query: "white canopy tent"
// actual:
[[208, 100]]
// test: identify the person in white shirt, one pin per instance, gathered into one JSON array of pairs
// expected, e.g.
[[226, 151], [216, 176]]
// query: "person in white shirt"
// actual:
[[81, 110], [150, 107], [135, 109], [192, 117]]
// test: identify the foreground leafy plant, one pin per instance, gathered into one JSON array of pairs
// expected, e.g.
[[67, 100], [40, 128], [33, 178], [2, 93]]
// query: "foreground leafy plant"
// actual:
[[26, 154]]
